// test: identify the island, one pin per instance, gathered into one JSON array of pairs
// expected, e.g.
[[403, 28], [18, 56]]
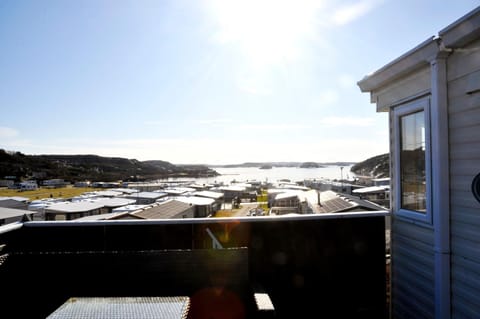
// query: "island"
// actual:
[[266, 166], [310, 165]]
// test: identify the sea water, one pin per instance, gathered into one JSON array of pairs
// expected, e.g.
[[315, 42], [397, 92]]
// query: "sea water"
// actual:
[[293, 174]]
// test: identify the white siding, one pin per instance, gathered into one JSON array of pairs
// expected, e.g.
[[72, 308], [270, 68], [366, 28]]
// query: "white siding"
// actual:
[[413, 282], [415, 84], [436, 266], [464, 129], [412, 271]]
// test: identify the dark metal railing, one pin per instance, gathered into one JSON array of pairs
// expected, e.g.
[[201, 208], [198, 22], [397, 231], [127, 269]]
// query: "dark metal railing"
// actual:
[[331, 264]]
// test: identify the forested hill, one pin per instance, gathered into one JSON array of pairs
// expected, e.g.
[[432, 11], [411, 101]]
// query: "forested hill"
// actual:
[[376, 167], [92, 167]]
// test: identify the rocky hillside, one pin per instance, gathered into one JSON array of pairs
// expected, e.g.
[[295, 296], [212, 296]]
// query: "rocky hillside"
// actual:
[[92, 167], [376, 167]]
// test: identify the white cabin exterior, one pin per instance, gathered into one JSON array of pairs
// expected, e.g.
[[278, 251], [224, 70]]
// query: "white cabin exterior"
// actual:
[[432, 95]]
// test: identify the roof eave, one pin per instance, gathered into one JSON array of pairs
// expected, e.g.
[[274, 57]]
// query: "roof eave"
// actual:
[[462, 31], [405, 64]]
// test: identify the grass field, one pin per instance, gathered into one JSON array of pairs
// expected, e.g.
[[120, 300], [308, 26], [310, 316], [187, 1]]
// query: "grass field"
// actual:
[[226, 213], [263, 199], [43, 192]]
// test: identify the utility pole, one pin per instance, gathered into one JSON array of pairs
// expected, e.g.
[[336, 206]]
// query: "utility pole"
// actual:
[[341, 177]]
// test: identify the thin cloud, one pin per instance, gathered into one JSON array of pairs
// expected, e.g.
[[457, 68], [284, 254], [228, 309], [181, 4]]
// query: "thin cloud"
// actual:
[[328, 97], [217, 122], [154, 123], [347, 81], [349, 13], [347, 121], [273, 127], [254, 89], [7, 132]]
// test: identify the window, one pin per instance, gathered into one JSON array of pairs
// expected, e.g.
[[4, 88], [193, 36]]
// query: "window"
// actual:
[[412, 160]]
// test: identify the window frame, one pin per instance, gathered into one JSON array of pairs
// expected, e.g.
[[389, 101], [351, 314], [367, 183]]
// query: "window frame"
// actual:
[[400, 111]]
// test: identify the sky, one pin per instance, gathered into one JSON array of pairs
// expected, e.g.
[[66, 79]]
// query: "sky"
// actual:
[[207, 81]]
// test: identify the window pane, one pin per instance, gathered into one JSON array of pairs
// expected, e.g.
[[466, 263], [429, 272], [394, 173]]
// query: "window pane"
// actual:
[[412, 162]]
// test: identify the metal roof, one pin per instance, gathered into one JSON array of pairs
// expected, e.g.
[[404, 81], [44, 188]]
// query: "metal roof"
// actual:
[[151, 195], [233, 188], [372, 189], [288, 194], [168, 209], [12, 212], [77, 207], [99, 217], [125, 190], [276, 190], [129, 208], [246, 185], [310, 196], [209, 194], [179, 190], [113, 202], [200, 201], [108, 193], [16, 198], [337, 204]]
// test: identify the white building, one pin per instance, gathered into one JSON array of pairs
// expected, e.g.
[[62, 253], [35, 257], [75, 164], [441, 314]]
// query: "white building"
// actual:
[[432, 96]]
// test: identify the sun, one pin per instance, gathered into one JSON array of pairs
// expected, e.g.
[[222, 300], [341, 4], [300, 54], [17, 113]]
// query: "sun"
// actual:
[[266, 32]]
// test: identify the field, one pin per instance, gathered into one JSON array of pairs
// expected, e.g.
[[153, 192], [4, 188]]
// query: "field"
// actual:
[[43, 192]]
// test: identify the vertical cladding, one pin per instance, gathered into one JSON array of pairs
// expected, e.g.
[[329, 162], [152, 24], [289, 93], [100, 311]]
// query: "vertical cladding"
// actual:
[[464, 125]]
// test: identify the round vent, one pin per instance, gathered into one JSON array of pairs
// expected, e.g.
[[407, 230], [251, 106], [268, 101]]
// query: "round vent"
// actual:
[[476, 187]]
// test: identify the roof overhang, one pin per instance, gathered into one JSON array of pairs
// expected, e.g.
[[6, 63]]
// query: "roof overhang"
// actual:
[[405, 64], [462, 31], [456, 35]]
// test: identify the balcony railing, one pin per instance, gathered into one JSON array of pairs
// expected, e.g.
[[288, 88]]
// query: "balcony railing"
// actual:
[[330, 265]]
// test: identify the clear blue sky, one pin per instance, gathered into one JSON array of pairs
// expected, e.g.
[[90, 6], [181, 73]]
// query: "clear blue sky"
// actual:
[[210, 82]]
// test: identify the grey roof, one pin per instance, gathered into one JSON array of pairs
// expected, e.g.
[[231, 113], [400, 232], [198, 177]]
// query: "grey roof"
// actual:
[[178, 190], [335, 205], [209, 194], [125, 190], [150, 195], [129, 208], [12, 212], [113, 202], [165, 210], [233, 188], [16, 198], [363, 204], [108, 193], [287, 194], [332, 202], [310, 196], [194, 200], [272, 191], [77, 207], [371, 189], [100, 216]]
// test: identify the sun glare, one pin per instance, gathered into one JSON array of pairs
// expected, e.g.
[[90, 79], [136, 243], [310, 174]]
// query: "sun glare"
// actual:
[[265, 31]]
